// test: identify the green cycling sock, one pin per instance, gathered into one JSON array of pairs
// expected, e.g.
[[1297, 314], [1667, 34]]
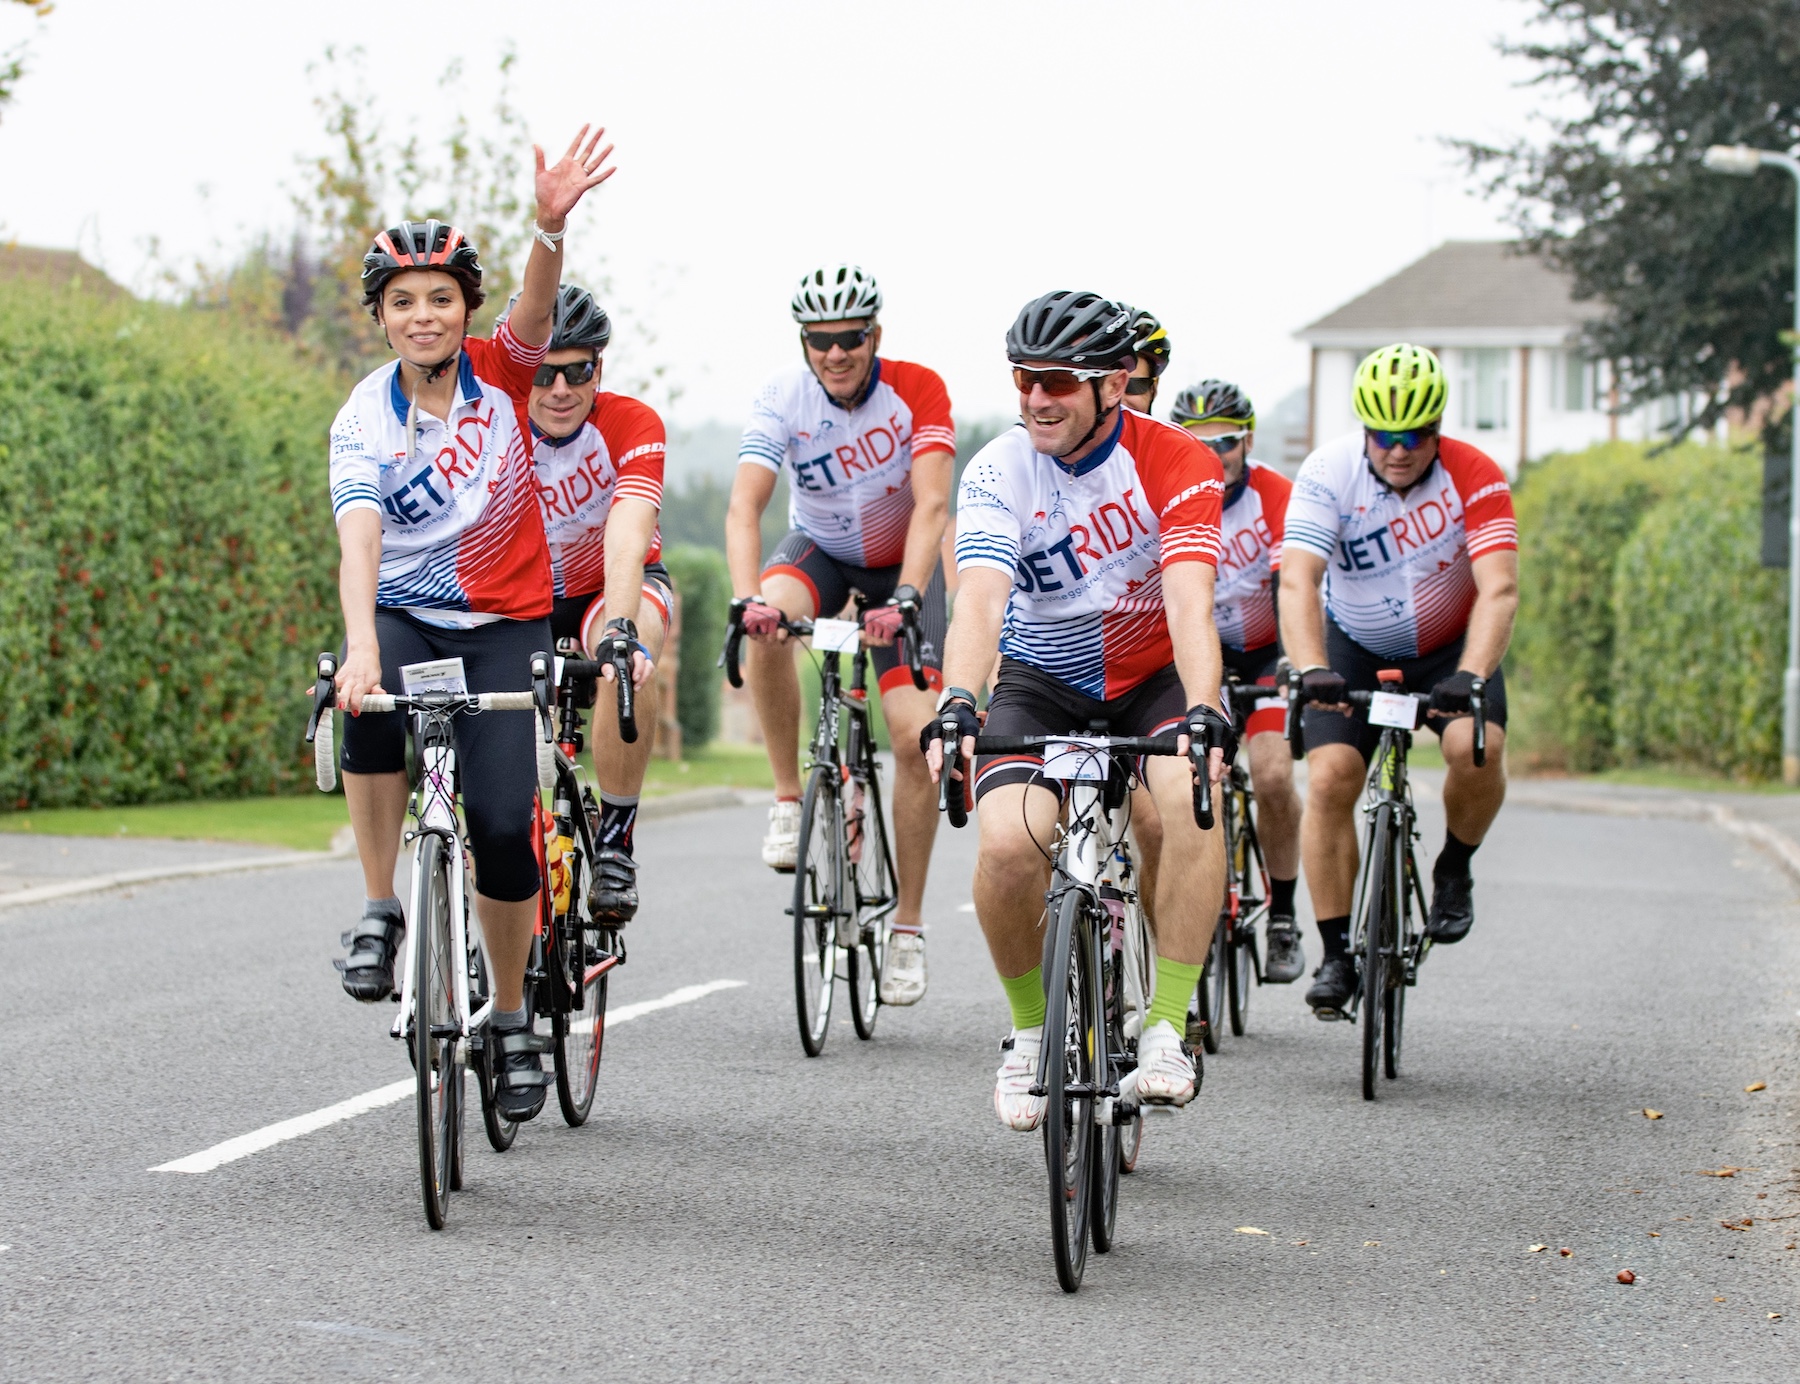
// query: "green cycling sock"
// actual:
[[1175, 985], [1026, 996]]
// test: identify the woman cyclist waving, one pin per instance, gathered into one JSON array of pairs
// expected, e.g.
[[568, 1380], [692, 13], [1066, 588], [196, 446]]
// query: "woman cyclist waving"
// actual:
[[443, 556]]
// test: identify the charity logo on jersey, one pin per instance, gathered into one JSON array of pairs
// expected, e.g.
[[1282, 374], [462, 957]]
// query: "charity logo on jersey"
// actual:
[[1062, 548], [419, 500], [844, 465]]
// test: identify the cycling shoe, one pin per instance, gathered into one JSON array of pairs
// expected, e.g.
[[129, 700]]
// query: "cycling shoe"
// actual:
[[1333, 985], [613, 895], [368, 967], [1452, 907]]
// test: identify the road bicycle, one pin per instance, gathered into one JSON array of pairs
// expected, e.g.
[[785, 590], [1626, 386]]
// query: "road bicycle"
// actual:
[[1098, 972], [1234, 961], [1387, 934], [444, 1001], [845, 887]]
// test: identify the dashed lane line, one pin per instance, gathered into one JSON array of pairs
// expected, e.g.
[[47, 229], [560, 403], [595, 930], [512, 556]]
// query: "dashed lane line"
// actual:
[[280, 1132]]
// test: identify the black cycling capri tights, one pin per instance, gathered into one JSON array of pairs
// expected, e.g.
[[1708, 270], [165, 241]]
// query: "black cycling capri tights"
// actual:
[[495, 756]]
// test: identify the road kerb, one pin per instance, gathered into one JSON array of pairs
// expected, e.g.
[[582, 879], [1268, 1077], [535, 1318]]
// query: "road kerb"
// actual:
[[1785, 851]]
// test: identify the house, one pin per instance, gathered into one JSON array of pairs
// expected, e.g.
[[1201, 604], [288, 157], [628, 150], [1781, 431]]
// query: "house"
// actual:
[[1509, 335], [58, 267]]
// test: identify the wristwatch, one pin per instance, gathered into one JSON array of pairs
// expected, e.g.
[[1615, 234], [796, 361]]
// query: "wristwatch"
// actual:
[[955, 694]]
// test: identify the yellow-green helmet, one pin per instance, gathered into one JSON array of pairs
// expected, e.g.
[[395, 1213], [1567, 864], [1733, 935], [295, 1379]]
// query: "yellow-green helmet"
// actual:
[[1398, 387]]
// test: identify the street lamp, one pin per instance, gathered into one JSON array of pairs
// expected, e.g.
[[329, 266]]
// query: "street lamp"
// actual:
[[1738, 159]]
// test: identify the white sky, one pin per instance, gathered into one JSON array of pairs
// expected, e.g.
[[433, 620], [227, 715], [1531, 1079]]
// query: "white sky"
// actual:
[[1238, 168]]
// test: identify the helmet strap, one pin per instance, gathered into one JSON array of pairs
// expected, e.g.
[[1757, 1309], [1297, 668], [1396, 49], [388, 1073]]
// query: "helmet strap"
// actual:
[[1100, 416]]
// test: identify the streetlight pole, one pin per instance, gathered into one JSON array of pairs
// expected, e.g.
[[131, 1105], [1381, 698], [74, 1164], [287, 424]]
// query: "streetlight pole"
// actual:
[[1736, 158]]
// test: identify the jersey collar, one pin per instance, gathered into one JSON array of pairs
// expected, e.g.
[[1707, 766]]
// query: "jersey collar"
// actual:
[[1095, 459], [1234, 493], [1375, 475], [541, 438], [466, 388]]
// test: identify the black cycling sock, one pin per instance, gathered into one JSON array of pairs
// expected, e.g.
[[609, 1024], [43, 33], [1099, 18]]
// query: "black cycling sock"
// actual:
[[1281, 897], [618, 821], [1454, 859], [384, 908], [1335, 934]]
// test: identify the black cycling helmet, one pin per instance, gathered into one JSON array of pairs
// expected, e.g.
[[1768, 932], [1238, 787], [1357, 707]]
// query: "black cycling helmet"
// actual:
[[1213, 401], [1077, 329], [578, 322], [421, 245], [1149, 341]]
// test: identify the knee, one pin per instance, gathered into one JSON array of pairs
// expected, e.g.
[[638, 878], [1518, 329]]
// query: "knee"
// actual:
[[505, 861], [1458, 746], [1334, 781]]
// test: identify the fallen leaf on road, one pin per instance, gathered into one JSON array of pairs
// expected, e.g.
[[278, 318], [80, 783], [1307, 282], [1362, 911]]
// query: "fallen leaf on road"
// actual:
[[1655, 1235], [1774, 1316], [1371, 1244], [1627, 1276], [1566, 1253], [1650, 1114], [1250, 1230], [1757, 1086], [1299, 1242], [1718, 1299], [1719, 1172], [1744, 1224], [1537, 1249]]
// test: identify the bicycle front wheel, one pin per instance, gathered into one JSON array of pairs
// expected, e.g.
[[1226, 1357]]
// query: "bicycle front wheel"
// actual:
[[500, 1131], [1395, 999], [1068, 1087], [1377, 946], [580, 1029], [877, 895], [818, 903], [438, 1076], [1214, 985]]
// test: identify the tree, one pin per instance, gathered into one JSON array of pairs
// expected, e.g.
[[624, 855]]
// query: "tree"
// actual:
[[12, 62], [1697, 269]]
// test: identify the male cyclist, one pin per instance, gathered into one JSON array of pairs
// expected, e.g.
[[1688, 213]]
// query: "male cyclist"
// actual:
[[443, 556], [1411, 538], [1150, 345], [1256, 498], [599, 463], [1085, 544], [869, 449]]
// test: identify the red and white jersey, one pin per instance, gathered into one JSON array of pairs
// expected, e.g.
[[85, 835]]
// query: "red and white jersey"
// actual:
[[1250, 558], [1086, 548], [850, 470], [462, 539], [617, 453], [1398, 578]]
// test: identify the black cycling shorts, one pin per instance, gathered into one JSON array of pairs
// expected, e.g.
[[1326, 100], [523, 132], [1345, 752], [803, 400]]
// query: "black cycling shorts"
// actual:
[[832, 582], [1028, 701], [495, 757], [1253, 666], [581, 618], [1359, 667]]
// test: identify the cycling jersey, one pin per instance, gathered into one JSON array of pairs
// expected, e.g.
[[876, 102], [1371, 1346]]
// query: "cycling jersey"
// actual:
[[1250, 558], [1398, 578], [617, 453], [850, 470], [1086, 547], [462, 540]]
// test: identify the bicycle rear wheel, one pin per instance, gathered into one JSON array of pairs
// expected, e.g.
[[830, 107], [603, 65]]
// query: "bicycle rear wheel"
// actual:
[[1068, 1074], [1140, 981], [1372, 1005], [580, 1029], [877, 894], [500, 1131], [1214, 985], [1245, 863], [818, 901], [438, 1076], [1108, 1160]]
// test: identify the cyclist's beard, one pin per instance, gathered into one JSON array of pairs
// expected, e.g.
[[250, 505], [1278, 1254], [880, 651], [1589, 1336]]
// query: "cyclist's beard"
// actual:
[[1100, 416], [856, 395]]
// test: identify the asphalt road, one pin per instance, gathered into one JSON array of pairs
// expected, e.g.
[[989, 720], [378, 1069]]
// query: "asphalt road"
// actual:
[[735, 1211]]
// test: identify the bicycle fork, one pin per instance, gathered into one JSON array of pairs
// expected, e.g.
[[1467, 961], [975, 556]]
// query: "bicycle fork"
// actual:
[[437, 818]]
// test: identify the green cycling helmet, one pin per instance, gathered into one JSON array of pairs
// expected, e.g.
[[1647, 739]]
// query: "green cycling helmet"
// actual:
[[1398, 387]]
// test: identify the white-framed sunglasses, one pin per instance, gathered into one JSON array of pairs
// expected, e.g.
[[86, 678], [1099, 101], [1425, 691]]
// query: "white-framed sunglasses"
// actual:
[[1225, 443]]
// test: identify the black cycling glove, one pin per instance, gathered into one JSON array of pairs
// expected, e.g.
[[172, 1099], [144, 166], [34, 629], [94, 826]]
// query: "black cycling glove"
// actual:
[[1323, 686], [1209, 726], [1450, 697], [957, 710]]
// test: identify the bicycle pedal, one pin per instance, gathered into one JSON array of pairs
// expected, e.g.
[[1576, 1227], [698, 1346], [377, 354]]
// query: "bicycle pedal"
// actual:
[[1330, 1016], [1037, 1092]]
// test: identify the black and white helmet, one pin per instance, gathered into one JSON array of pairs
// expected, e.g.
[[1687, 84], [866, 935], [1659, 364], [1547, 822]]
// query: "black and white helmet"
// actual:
[[1079, 329], [836, 293]]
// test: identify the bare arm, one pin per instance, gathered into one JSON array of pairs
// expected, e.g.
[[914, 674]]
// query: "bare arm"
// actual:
[[1496, 605], [629, 528], [750, 492], [1188, 606], [931, 475], [559, 188], [972, 642], [359, 573], [1301, 608]]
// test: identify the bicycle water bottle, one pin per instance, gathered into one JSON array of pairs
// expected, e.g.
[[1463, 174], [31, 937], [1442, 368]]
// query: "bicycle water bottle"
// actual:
[[853, 823], [557, 850]]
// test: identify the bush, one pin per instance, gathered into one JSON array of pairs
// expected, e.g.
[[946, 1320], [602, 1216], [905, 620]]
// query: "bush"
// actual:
[[1575, 513], [705, 586], [172, 563], [1701, 628]]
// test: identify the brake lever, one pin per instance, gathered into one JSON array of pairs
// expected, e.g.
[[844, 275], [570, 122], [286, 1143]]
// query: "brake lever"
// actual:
[[324, 693]]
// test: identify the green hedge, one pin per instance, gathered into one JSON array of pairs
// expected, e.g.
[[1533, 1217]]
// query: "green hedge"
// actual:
[[705, 586], [171, 568]]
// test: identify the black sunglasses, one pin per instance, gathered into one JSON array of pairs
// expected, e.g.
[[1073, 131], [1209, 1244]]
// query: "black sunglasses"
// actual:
[[824, 341], [575, 372]]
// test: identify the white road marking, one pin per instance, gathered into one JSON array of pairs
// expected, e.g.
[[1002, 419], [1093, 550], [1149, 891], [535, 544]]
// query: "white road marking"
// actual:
[[270, 1135]]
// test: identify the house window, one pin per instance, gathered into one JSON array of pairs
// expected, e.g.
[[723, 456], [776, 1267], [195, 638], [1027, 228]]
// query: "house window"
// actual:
[[1484, 389], [1571, 382]]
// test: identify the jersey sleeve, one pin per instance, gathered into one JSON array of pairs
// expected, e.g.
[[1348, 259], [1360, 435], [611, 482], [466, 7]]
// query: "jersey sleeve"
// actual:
[[1273, 489], [924, 394], [1310, 521], [1488, 520], [355, 469], [504, 361], [1185, 486], [987, 520], [765, 439], [637, 443]]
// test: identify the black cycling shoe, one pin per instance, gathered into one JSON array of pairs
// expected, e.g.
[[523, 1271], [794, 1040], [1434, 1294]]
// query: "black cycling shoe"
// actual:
[[373, 944], [1286, 959], [519, 1092], [1333, 985], [613, 895], [1452, 907]]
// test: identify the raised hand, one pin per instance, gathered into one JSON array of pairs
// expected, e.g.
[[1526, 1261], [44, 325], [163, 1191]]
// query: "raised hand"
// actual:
[[561, 185]]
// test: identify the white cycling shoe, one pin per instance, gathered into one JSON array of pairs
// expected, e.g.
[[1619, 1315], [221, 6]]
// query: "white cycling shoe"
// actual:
[[1013, 1101], [782, 842], [1165, 1073], [903, 977]]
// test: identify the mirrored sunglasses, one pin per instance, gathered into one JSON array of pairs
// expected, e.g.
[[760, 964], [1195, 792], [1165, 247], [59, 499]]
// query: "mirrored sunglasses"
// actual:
[[1226, 443], [1056, 383], [1408, 439]]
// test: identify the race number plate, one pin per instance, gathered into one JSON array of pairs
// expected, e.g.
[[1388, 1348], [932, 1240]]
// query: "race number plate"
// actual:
[[1078, 757], [1393, 709], [440, 675], [836, 636]]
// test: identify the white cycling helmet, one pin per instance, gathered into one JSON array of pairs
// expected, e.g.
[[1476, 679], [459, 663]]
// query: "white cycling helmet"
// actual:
[[835, 293]]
